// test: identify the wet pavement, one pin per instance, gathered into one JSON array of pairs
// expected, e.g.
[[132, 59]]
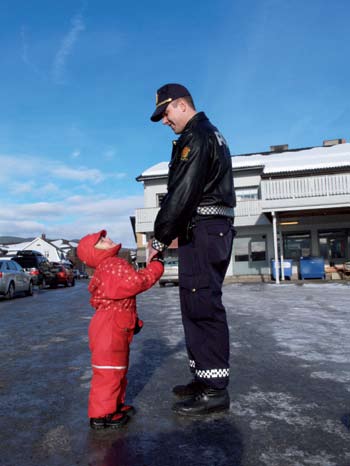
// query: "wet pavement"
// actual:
[[290, 374]]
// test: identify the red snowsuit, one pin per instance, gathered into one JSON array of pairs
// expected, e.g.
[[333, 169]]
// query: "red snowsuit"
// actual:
[[114, 287]]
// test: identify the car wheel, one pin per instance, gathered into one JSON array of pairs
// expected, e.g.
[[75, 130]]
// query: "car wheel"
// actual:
[[29, 292], [11, 291], [73, 282], [43, 284]]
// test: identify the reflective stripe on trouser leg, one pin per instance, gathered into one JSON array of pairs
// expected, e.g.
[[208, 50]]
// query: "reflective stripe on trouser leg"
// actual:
[[208, 373], [203, 264], [107, 387]]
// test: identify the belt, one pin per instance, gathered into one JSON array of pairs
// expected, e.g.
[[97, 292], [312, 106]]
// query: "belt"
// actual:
[[221, 210]]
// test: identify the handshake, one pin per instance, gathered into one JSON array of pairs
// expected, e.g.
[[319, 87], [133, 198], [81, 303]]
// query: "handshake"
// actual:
[[158, 257]]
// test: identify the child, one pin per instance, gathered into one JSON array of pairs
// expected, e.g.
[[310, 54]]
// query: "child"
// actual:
[[113, 287]]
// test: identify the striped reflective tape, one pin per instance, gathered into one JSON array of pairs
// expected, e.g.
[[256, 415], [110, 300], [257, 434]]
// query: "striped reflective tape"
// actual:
[[109, 367], [212, 373]]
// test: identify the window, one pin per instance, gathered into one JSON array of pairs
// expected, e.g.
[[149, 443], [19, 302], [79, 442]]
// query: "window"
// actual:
[[160, 198], [245, 194], [250, 249], [241, 249], [11, 265], [333, 244], [258, 251], [18, 267], [297, 245]]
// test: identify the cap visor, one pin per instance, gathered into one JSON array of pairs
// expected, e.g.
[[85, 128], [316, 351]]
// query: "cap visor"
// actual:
[[158, 113]]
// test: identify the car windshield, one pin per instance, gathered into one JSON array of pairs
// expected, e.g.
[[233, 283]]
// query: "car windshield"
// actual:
[[171, 262]]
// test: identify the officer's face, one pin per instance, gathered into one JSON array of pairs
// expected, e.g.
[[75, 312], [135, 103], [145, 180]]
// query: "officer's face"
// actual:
[[175, 116]]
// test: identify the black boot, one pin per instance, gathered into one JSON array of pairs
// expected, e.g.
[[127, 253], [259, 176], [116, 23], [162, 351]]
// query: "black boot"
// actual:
[[116, 421], [207, 401], [191, 389], [97, 423], [112, 421]]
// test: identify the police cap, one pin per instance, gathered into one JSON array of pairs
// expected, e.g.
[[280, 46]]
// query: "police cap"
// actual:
[[165, 95]]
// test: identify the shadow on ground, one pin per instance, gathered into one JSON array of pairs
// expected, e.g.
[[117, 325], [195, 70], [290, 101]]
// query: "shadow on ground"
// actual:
[[213, 442]]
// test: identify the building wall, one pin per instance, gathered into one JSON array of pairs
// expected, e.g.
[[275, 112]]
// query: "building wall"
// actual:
[[321, 189], [309, 225], [151, 189]]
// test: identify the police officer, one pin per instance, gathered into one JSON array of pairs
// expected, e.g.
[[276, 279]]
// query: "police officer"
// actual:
[[198, 210]]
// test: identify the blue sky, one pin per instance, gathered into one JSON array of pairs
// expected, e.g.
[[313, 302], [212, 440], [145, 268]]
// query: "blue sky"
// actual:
[[78, 82]]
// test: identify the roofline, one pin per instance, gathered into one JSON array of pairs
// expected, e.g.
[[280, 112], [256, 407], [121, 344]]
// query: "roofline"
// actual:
[[276, 152], [255, 166], [303, 171], [151, 177]]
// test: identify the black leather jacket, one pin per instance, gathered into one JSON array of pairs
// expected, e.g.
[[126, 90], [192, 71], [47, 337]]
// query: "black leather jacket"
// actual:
[[200, 174]]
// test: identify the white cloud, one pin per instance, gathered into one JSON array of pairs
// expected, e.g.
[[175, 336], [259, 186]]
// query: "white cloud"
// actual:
[[22, 188], [24, 166], [117, 176], [109, 154], [16, 165], [48, 188], [38, 196], [17, 170], [31, 186], [72, 217], [77, 26], [75, 154], [78, 174]]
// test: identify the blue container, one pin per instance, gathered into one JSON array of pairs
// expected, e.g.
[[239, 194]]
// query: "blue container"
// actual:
[[311, 267], [287, 266]]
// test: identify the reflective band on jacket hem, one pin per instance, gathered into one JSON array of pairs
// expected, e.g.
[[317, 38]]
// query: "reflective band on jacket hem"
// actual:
[[109, 367]]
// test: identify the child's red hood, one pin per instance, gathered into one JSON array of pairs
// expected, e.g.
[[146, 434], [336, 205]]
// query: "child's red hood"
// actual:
[[91, 256]]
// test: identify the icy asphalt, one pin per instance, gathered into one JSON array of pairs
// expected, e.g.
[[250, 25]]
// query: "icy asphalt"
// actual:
[[290, 374]]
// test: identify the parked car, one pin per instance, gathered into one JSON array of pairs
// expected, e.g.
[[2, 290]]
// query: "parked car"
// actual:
[[171, 271], [84, 275], [13, 279], [63, 275], [76, 274], [37, 266]]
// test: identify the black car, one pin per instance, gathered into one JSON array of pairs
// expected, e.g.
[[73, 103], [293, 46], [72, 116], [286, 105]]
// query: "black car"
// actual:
[[37, 266]]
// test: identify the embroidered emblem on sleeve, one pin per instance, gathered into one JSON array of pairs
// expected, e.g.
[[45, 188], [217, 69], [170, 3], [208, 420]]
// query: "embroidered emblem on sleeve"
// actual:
[[184, 153]]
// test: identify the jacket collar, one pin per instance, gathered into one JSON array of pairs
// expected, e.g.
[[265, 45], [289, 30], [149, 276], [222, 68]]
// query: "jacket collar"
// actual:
[[193, 122]]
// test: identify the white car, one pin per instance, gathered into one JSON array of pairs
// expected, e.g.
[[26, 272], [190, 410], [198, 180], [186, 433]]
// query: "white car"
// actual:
[[13, 279], [171, 271]]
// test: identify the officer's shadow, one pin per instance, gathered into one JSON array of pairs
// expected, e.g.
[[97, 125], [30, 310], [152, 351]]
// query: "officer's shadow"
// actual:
[[149, 355]]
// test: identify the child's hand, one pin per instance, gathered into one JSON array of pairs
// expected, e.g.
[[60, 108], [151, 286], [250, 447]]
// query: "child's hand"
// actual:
[[158, 257], [138, 326]]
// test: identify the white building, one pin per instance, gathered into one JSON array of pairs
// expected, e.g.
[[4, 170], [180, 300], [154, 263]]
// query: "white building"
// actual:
[[291, 203], [55, 251]]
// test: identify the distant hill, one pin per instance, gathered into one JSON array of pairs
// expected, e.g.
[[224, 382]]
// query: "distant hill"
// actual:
[[13, 239]]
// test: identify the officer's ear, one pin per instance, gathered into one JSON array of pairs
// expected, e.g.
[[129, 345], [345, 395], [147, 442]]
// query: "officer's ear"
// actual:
[[182, 105]]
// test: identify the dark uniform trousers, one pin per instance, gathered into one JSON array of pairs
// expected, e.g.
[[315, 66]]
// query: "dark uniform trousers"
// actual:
[[204, 255]]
